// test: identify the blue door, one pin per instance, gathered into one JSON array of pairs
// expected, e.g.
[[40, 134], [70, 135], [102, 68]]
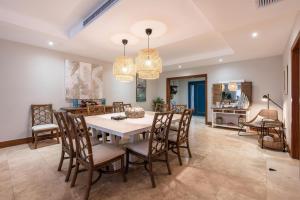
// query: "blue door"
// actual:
[[197, 97]]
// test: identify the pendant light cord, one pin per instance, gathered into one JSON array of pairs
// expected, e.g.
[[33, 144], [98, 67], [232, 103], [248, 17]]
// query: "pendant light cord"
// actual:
[[124, 50], [148, 46], [124, 55]]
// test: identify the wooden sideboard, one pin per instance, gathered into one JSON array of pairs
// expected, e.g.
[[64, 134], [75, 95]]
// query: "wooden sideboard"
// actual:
[[86, 111]]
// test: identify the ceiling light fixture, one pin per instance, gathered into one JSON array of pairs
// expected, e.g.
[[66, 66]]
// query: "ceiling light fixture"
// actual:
[[179, 66], [148, 63], [254, 35], [50, 43], [220, 60], [124, 69]]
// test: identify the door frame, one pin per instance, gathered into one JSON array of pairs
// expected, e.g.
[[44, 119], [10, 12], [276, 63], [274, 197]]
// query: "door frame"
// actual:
[[168, 91], [295, 133]]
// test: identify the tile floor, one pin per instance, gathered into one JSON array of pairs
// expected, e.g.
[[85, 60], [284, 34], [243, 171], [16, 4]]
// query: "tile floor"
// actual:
[[224, 166]]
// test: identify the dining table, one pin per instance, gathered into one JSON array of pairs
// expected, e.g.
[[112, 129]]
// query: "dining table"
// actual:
[[126, 130], [121, 129]]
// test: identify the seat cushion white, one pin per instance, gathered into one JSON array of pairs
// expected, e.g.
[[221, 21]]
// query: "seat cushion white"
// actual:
[[173, 136], [140, 147], [174, 127], [44, 127], [106, 152]]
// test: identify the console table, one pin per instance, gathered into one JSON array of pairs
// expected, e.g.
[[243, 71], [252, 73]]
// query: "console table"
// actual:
[[228, 117]]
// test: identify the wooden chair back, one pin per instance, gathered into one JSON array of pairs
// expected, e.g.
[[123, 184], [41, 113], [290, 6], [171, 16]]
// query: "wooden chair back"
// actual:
[[118, 106], [162, 107], [179, 108], [127, 105], [184, 126], [158, 142], [96, 109], [84, 153], [65, 131], [41, 114]]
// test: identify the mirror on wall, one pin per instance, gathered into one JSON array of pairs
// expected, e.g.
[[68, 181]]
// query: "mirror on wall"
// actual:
[[232, 94]]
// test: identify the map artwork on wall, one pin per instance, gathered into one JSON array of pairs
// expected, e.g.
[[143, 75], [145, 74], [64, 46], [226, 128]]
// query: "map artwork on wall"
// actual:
[[83, 80], [141, 86]]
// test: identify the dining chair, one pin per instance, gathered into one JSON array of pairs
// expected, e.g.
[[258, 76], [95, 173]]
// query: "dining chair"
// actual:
[[157, 145], [181, 135], [42, 121], [179, 108], [67, 141], [96, 110], [162, 107], [118, 106], [93, 158]]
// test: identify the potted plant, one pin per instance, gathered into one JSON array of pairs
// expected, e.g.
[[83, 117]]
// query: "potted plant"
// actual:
[[156, 101]]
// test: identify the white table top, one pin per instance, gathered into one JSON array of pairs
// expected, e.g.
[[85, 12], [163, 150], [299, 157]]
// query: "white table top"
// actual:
[[123, 128]]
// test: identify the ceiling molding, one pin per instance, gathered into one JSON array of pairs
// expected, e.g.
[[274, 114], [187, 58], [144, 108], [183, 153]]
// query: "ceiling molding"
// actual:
[[202, 56], [30, 23]]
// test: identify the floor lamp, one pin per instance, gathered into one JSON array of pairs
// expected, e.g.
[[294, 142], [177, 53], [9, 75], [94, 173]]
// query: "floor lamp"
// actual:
[[267, 98]]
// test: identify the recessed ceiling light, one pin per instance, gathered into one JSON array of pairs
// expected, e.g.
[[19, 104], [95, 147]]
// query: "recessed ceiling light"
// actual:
[[254, 35], [50, 43], [179, 66], [220, 59]]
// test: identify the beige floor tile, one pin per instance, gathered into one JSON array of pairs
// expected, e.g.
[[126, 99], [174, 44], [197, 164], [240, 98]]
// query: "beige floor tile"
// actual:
[[224, 166]]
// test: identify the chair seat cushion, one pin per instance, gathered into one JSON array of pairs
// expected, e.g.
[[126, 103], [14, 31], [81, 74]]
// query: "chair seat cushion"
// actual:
[[106, 152], [174, 127], [140, 147], [251, 124], [44, 127], [173, 136]]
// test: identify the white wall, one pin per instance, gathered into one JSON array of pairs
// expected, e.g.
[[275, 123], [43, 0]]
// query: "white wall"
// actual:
[[287, 114], [126, 92], [31, 75], [266, 75]]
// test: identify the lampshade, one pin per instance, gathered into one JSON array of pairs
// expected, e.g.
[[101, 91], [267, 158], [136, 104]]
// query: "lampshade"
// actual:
[[148, 64], [232, 87], [123, 68], [265, 98]]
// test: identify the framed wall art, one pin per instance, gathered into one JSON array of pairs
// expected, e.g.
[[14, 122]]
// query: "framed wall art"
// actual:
[[141, 86]]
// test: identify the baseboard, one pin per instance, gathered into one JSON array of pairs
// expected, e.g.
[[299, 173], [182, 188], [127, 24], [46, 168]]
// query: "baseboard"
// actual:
[[15, 142], [27, 140]]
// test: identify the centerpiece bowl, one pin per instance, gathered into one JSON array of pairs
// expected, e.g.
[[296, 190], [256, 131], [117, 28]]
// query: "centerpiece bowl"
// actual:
[[134, 112]]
